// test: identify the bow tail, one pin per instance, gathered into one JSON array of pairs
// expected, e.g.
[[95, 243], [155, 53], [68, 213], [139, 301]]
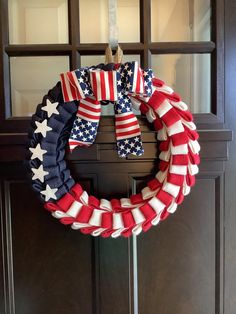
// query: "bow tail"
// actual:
[[128, 133], [86, 123]]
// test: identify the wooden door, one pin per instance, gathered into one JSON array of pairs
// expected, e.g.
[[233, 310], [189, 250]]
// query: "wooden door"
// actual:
[[185, 265]]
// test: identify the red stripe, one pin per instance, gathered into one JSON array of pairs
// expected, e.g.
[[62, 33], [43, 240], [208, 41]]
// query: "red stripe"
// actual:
[[94, 83], [128, 132], [89, 116], [83, 105], [65, 94], [111, 85], [123, 126], [103, 88], [72, 89], [125, 117], [91, 100], [138, 81]]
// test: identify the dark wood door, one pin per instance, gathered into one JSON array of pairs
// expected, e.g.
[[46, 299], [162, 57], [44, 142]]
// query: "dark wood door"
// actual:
[[185, 265]]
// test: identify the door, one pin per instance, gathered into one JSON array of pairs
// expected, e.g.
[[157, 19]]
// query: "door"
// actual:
[[185, 265]]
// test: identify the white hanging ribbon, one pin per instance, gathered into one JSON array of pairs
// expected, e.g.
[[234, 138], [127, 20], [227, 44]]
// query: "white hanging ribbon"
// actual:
[[113, 28]]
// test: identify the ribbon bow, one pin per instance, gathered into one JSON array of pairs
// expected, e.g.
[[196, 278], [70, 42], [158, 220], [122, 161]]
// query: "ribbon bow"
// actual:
[[91, 86]]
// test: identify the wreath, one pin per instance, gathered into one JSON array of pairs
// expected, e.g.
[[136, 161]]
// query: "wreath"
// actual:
[[70, 112]]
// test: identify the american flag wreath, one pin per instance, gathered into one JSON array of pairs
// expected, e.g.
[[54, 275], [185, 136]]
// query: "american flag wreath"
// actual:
[[70, 114]]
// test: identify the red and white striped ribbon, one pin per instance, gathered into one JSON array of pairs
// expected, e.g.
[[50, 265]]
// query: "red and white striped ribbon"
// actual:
[[104, 84], [126, 125]]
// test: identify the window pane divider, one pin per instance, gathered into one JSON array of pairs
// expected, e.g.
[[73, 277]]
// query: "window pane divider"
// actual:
[[182, 47], [38, 50]]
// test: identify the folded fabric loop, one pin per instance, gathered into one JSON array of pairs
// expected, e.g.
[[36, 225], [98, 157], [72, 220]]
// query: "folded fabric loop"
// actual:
[[91, 86]]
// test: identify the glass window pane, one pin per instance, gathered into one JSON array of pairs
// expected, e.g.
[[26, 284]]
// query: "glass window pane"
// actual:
[[38, 22], [181, 20], [97, 12], [107, 110], [189, 75], [31, 78]]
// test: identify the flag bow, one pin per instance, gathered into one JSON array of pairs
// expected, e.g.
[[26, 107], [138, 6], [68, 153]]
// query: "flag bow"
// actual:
[[91, 86]]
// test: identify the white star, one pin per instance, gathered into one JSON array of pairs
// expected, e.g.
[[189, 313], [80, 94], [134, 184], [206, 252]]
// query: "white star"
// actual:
[[39, 173], [122, 146], [150, 79], [128, 85], [126, 100], [127, 150], [91, 137], [81, 80], [136, 139], [80, 133], [49, 193], [126, 66], [145, 83], [149, 90], [89, 123], [122, 105], [38, 152], [42, 127], [82, 72], [119, 82], [78, 119], [74, 135], [119, 110], [123, 155], [83, 126], [92, 128], [130, 72], [50, 108], [86, 91], [87, 131], [84, 139], [77, 128], [132, 144], [126, 141]]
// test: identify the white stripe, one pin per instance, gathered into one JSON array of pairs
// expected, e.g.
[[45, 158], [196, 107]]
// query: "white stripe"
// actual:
[[84, 198], [79, 225], [165, 155], [126, 121], [178, 169], [117, 233], [95, 106], [163, 108], [114, 85], [161, 134], [138, 216], [124, 114], [80, 115], [179, 150], [121, 137], [130, 128], [96, 218], [117, 221], [92, 113], [172, 189], [172, 208], [97, 232], [147, 193], [98, 81], [160, 176], [150, 115], [191, 125], [107, 84], [105, 204], [157, 205], [195, 147], [175, 128], [137, 229], [74, 209], [180, 105], [193, 169]]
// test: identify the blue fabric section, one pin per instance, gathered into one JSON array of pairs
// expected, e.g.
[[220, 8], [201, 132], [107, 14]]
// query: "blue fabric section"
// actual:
[[55, 142]]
